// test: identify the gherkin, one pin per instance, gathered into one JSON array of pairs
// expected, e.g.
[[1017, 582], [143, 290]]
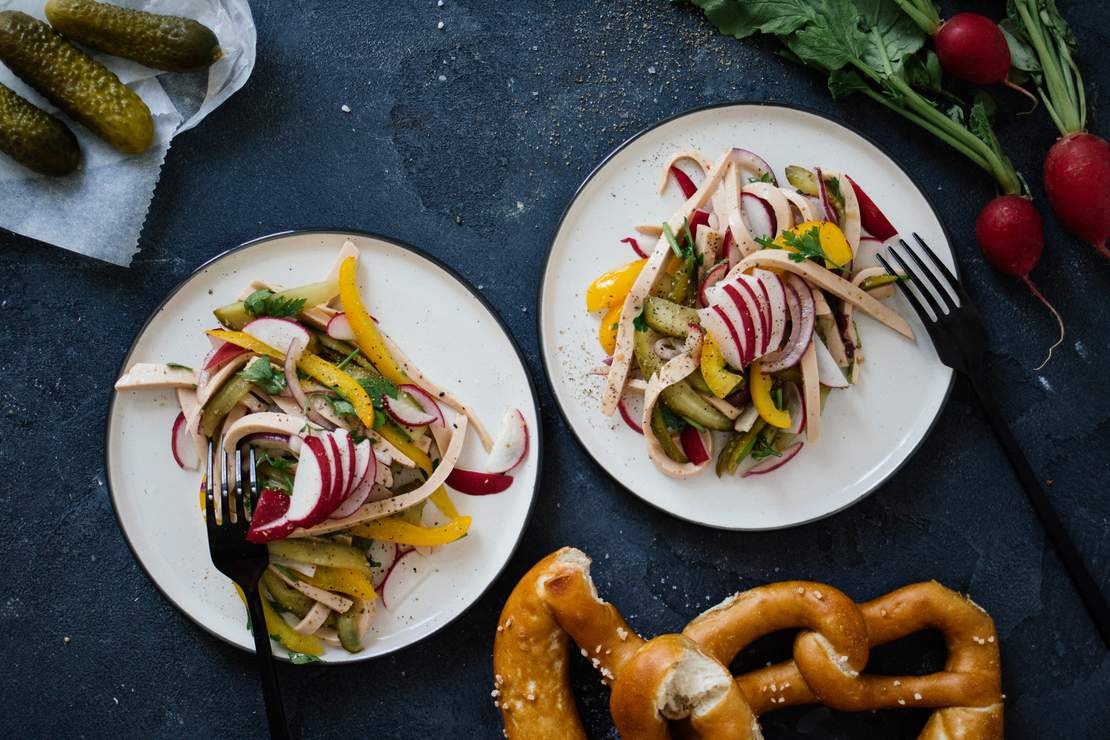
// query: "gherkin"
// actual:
[[85, 89], [160, 41], [34, 138]]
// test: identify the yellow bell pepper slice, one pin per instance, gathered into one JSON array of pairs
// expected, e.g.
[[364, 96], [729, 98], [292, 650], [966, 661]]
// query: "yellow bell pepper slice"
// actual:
[[444, 503], [720, 381], [392, 529], [293, 641], [760, 384], [611, 288], [833, 242], [366, 331], [607, 332], [344, 580]]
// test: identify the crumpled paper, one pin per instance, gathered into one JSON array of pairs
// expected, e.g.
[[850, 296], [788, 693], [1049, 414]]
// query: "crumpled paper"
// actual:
[[100, 209]]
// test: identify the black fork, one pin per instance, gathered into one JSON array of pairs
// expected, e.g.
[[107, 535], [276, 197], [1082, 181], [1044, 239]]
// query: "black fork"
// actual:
[[242, 561], [957, 332]]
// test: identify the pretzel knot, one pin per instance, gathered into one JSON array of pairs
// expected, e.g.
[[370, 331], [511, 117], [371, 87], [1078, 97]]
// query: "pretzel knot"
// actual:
[[680, 683]]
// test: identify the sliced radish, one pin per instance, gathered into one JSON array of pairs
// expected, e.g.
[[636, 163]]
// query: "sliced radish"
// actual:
[[715, 274], [803, 318], [724, 332], [182, 445], [774, 463], [364, 462], [403, 578], [269, 520], [758, 215], [364, 455], [221, 354], [793, 402], [407, 412], [346, 461], [755, 294], [425, 401], [629, 416], [339, 327], [698, 218], [475, 483], [278, 333], [871, 218], [511, 444], [828, 372], [731, 249], [744, 305], [311, 485], [694, 445], [338, 473], [775, 292], [684, 182], [382, 556], [756, 162]]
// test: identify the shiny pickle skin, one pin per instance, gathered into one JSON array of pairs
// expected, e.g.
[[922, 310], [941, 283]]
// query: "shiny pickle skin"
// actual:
[[161, 41], [34, 138], [85, 89], [680, 398]]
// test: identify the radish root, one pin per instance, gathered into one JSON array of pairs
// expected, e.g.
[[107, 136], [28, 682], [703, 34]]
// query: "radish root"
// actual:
[[1018, 88], [1059, 321]]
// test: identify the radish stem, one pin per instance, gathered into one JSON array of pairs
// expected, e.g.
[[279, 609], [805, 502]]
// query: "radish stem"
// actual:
[[1059, 321]]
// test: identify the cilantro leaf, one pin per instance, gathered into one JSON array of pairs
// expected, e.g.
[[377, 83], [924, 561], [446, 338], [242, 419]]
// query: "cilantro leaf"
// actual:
[[340, 405], [806, 245], [256, 302], [265, 376], [640, 322], [376, 387], [264, 303]]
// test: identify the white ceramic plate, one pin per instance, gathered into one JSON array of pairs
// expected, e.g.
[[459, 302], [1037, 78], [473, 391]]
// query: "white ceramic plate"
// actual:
[[438, 320], [868, 430]]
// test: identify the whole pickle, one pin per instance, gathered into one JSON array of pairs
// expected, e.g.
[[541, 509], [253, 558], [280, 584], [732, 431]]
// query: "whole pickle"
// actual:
[[34, 138]]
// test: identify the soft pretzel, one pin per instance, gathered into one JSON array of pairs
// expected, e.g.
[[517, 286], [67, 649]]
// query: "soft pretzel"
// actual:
[[681, 683]]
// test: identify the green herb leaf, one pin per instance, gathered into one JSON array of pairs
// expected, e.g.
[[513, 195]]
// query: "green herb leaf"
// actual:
[[689, 246], [301, 658], [176, 366], [673, 242], [264, 303], [765, 177], [376, 387], [340, 405], [806, 245], [640, 322], [256, 302], [343, 363], [762, 449], [673, 421], [743, 19], [265, 376], [276, 471]]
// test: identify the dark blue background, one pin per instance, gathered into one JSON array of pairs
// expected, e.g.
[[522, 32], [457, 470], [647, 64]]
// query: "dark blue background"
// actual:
[[535, 95]]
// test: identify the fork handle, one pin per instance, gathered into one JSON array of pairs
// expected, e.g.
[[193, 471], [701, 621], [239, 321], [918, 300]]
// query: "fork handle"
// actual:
[[1085, 583], [271, 692]]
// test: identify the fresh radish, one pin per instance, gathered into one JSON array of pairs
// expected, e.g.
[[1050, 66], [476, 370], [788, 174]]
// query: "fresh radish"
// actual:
[[758, 215], [632, 242], [773, 463], [1077, 180], [339, 327], [346, 447], [278, 333], [743, 298], [756, 294], [182, 445], [407, 412], [873, 220], [425, 401], [403, 578], [1011, 237], [794, 403], [684, 182], [511, 444], [803, 319], [775, 293], [364, 486], [629, 417], [713, 276], [828, 372], [311, 484], [382, 555], [475, 483], [694, 445], [721, 327], [269, 520], [221, 354], [972, 48]]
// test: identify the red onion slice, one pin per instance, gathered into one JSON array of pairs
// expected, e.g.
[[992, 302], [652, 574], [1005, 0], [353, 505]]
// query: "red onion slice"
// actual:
[[632, 242], [795, 404], [830, 212], [182, 446], [803, 318]]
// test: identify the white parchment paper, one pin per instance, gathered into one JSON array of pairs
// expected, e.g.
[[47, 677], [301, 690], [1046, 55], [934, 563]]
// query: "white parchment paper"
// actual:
[[100, 209]]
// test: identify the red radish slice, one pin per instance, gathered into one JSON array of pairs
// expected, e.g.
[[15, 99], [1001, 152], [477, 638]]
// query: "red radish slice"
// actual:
[[346, 461], [269, 440], [425, 401], [871, 218], [364, 462], [758, 163], [724, 332], [268, 520], [730, 249], [698, 218], [749, 316], [340, 328], [311, 485], [775, 292], [182, 446], [475, 483], [684, 182], [774, 463], [762, 310], [221, 354], [631, 241], [628, 417], [694, 446], [794, 403], [830, 212], [364, 488], [828, 372], [338, 473], [511, 444], [715, 274], [758, 215], [803, 318], [408, 571], [406, 412], [382, 556], [278, 333]]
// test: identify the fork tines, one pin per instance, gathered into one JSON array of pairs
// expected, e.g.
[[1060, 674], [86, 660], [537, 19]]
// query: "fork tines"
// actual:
[[951, 296], [237, 492]]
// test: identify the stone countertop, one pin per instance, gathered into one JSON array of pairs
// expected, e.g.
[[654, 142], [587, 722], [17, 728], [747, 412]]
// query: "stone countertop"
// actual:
[[468, 141]]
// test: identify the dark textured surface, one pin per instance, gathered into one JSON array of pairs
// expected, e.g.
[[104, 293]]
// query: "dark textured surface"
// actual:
[[533, 96]]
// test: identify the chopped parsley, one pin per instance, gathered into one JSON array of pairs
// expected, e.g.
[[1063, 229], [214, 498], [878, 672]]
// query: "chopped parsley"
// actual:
[[765, 177], [301, 658], [377, 388], [265, 376], [340, 405], [805, 246], [176, 366], [673, 421], [264, 303], [640, 322], [762, 450], [278, 472]]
